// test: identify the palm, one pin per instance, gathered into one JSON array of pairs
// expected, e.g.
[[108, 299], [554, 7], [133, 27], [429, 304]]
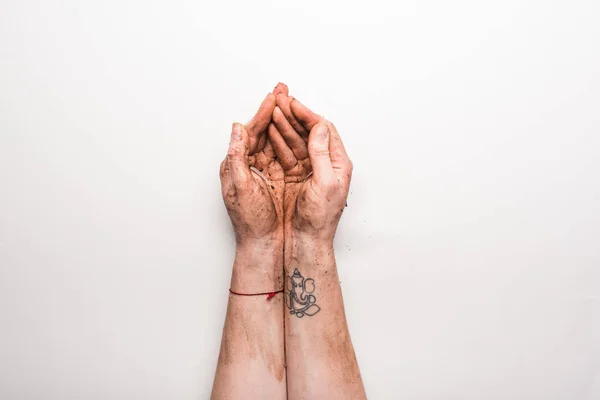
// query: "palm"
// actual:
[[253, 179], [290, 140], [307, 200], [266, 188], [297, 180]]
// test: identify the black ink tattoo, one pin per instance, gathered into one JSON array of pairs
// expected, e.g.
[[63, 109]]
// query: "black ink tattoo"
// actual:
[[299, 298]]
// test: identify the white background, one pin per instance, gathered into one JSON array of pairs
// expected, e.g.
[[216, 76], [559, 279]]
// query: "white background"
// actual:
[[470, 251]]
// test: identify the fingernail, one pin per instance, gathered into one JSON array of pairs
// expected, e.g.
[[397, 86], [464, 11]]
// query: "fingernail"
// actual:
[[236, 132], [322, 131]]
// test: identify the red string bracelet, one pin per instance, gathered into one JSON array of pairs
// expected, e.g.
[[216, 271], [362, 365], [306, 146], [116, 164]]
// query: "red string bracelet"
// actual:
[[269, 295]]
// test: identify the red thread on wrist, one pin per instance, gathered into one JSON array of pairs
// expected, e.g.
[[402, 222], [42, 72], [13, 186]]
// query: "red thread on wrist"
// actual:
[[269, 295]]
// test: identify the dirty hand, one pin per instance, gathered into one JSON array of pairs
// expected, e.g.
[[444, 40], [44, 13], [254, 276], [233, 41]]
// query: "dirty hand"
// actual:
[[252, 182], [303, 142]]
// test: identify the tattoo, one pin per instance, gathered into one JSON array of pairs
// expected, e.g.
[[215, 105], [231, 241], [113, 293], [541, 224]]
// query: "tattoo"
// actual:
[[299, 298]]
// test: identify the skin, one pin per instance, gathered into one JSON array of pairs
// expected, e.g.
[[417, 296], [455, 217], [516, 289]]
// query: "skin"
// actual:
[[252, 348], [285, 217], [321, 363]]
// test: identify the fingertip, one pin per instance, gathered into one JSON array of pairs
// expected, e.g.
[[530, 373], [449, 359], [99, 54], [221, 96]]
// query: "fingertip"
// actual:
[[239, 127], [238, 142], [269, 101], [320, 157], [281, 88], [281, 117], [262, 117], [320, 131], [236, 132]]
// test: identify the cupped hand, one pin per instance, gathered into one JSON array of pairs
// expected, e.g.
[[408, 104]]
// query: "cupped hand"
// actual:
[[316, 166], [252, 181]]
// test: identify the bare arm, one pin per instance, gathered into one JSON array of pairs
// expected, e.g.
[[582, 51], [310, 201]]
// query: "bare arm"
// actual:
[[321, 363], [252, 360], [320, 356]]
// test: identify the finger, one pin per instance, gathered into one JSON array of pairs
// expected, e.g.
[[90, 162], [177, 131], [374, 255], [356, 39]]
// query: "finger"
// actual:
[[281, 88], [226, 184], [260, 121], [260, 145], [283, 102], [339, 158], [304, 115], [237, 155], [224, 170], [289, 134], [318, 150], [284, 153], [268, 150]]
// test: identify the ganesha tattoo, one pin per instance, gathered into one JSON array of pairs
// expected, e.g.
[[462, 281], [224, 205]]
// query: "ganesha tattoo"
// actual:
[[298, 297]]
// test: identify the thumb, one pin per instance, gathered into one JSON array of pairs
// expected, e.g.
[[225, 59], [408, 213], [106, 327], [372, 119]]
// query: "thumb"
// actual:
[[318, 151], [237, 155]]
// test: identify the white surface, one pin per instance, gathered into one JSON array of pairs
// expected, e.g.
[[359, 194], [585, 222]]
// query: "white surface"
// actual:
[[470, 251]]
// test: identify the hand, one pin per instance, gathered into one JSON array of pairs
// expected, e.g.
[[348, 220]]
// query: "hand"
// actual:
[[304, 142], [252, 181]]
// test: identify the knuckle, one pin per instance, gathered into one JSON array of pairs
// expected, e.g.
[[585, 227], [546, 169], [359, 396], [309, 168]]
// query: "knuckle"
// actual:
[[257, 123], [227, 191], [223, 169], [233, 152], [261, 121], [318, 151]]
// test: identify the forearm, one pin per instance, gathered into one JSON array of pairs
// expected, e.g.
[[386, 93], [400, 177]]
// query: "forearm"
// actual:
[[321, 363], [251, 361]]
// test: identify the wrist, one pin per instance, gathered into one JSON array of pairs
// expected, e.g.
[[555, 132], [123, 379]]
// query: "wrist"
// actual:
[[259, 255], [249, 244], [308, 251], [309, 241], [258, 265]]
